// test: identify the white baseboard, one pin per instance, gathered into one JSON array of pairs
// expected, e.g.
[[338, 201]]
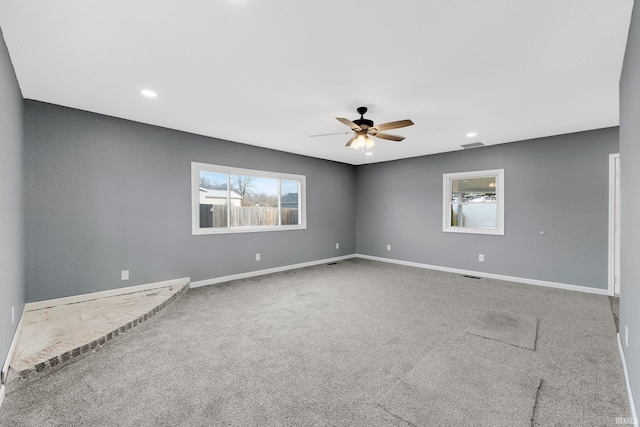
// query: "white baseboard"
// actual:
[[632, 407], [490, 275], [2, 392], [536, 282], [103, 294], [222, 279], [12, 349]]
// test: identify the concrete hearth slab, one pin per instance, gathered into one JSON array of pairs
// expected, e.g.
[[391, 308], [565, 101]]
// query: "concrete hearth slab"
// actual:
[[56, 336]]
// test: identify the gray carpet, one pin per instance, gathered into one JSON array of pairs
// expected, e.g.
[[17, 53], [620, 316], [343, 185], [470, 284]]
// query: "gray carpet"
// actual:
[[514, 329], [330, 346], [458, 389]]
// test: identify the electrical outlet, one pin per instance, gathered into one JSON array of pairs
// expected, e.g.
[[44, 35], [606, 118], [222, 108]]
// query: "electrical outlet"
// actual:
[[481, 257], [388, 247], [337, 245], [13, 314], [124, 275], [257, 257]]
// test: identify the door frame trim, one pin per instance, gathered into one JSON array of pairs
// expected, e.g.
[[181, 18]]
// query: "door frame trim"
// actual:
[[612, 213]]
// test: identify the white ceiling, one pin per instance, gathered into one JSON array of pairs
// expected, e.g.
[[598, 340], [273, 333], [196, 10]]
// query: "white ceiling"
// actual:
[[272, 73]]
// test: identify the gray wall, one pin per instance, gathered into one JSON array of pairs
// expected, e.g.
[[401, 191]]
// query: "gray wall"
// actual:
[[558, 185], [105, 194], [630, 188], [12, 290]]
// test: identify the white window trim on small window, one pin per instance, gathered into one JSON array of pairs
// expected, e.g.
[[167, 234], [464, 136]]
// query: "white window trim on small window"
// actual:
[[197, 167], [448, 178]]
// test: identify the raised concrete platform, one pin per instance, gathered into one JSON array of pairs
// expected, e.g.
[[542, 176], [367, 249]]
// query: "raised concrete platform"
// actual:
[[54, 337]]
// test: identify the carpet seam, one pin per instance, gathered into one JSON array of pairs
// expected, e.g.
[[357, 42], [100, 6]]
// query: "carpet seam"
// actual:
[[535, 403], [504, 342], [396, 416]]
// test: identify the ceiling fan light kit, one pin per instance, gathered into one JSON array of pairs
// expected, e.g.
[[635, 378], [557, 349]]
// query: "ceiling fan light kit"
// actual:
[[363, 128], [361, 141]]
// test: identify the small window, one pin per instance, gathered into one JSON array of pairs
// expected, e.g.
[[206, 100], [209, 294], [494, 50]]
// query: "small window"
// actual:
[[232, 200], [474, 202]]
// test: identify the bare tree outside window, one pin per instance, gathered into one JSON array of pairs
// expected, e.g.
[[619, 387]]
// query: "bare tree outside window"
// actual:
[[212, 184], [227, 200], [244, 186]]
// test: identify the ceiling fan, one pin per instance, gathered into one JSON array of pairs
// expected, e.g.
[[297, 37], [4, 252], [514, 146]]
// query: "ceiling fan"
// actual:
[[364, 128]]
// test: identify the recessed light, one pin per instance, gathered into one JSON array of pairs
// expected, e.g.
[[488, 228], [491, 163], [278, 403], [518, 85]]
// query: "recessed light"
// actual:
[[472, 134], [368, 153], [149, 93]]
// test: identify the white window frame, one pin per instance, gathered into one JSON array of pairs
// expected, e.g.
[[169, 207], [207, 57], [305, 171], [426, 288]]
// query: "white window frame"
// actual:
[[447, 180], [197, 167]]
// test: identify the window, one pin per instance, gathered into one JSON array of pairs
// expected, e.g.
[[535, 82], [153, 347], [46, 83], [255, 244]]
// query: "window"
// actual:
[[474, 202], [231, 200]]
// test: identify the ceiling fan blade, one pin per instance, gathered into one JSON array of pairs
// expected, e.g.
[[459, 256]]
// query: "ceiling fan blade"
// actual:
[[389, 137], [349, 123], [393, 125], [350, 142], [328, 134]]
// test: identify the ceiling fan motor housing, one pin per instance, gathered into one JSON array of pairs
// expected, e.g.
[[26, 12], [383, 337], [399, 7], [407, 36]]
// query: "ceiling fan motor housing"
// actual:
[[362, 121]]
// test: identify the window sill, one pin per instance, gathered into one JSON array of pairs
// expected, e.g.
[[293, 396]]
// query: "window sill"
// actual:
[[257, 229], [474, 231]]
